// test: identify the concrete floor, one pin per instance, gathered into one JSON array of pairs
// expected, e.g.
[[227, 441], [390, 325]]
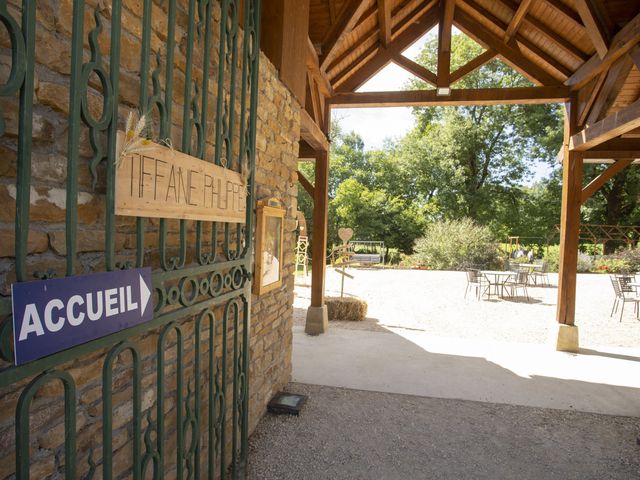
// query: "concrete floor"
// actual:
[[603, 380]]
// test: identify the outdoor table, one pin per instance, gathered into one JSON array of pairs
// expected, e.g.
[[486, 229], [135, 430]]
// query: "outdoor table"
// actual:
[[499, 279]]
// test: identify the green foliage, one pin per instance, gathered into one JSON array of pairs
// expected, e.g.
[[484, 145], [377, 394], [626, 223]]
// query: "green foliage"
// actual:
[[472, 161], [375, 215], [552, 257], [610, 264], [632, 258], [456, 244]]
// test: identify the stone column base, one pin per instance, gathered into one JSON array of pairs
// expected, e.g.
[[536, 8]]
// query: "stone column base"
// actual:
[[564, 338], [317, 320]]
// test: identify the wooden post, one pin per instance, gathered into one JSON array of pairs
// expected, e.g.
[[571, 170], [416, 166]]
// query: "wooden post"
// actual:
[[317, 318], [567, 339]]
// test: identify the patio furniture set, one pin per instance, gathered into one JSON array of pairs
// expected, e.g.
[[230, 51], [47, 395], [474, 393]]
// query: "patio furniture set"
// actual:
[[625, 287], [488, 283]]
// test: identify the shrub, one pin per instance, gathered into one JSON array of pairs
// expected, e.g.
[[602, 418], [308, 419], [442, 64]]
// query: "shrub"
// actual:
[[632, 258], [456, 244], [585, 262], [610, 264]]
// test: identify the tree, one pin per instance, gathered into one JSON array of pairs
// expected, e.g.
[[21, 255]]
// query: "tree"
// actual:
[[474, 159]]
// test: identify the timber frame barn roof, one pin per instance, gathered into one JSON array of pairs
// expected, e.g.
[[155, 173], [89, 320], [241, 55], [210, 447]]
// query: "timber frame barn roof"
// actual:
[[564, 47]]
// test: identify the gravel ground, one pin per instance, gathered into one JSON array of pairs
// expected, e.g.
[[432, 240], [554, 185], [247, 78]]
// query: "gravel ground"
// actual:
[[352, 434], [432, 301]]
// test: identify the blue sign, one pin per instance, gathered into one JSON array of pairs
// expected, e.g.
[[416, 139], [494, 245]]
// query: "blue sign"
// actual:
[[53, 315]]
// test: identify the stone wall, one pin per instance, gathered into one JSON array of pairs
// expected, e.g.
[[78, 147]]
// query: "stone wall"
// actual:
[[271, 319]]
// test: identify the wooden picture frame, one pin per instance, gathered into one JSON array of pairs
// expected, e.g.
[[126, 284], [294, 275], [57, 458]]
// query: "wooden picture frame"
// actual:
[[269, 249]]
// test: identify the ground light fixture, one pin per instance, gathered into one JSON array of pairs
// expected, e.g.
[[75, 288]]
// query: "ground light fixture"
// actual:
[[286, 403]]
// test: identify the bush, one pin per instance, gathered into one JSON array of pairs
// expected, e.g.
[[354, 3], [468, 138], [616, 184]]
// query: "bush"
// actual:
[[610, 264], [632, 258], [456, 244], [585, 262]]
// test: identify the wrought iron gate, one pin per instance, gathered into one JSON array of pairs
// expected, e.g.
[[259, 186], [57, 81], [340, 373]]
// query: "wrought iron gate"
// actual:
[[181, 380]]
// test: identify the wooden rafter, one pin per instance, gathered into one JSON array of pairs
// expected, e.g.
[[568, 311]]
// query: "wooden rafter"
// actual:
[[415, 68], [541, 54], [480, 96], [587, 97], [517, 19], [313, 66], [510, 54], [308, 186], [313, 96], [472, 65], [627, 38], [384, 21], [605, 176], [372, 35], [350, 15], [555, 37], [596, 28], [635, 56], [611, 88], [610, 127], [369, 65], [447, 8]]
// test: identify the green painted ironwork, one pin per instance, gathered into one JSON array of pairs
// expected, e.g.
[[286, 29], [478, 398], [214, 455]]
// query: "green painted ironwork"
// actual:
[[207, 284]]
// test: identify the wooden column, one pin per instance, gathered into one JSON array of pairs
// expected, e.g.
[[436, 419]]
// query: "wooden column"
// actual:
[[569, 234], [317, 317], [320, 220]]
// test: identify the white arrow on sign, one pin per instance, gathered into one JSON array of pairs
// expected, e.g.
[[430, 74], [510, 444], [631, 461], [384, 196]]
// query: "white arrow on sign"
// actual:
[[145, 295]]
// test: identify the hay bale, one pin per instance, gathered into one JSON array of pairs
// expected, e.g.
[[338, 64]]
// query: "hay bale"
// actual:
[[346, 308]]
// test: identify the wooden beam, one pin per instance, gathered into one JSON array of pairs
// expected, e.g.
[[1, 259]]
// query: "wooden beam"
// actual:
[[384, 21], [481, 96], [596, 29], [313, 65], [610, 127], [509, 53], [305, 152], [516, 20], [311, 133], [319, 231], [371, 36], [345, 23], [587, 97], [472, 65], [605, 176], [635, 56], [627, 38], [312, 94], [563, 42], [306, 184], [415, 68], [447, 8], [616, 77], [383, 56], [569, 222]]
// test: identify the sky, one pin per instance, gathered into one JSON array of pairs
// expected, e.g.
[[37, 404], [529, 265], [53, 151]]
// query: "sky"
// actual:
[[375, 125]]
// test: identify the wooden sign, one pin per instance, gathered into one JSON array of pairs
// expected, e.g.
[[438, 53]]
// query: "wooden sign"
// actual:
[[345, 234], [157, 181]]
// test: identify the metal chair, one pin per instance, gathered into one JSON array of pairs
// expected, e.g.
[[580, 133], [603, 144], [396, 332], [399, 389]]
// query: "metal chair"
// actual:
[[625, 293], [521, 280], [475, 280], [542, 272]]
